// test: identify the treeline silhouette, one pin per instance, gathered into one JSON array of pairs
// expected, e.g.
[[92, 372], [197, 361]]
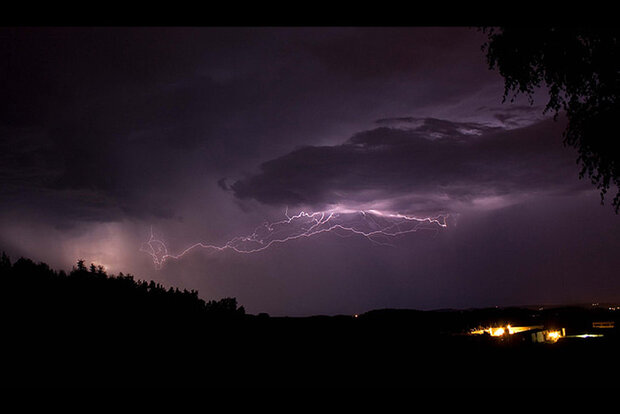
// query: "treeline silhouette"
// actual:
[[88, 328], [65, 328], [35, 290]]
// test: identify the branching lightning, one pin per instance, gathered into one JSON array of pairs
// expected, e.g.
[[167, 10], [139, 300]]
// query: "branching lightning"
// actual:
[[376, 226]]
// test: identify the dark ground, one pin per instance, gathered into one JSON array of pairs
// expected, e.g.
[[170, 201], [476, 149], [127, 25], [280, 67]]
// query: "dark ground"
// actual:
[[251, 351], [88, 329]]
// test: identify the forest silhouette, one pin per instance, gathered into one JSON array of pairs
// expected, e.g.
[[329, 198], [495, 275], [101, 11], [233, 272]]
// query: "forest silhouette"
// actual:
[[63, 328], [90, 293]]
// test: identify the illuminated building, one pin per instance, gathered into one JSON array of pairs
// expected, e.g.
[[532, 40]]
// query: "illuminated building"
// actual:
[[548, 335], [539, 334]]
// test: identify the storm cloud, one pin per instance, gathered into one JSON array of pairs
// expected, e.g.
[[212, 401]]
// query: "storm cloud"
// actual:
[[425, 164]]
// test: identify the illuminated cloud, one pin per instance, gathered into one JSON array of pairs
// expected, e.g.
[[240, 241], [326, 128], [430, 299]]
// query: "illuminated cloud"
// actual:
[[420, 165]]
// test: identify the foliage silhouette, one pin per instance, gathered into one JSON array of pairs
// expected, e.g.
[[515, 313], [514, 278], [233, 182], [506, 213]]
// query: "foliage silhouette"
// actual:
[[86, 298], [66, 328], [580, 67]]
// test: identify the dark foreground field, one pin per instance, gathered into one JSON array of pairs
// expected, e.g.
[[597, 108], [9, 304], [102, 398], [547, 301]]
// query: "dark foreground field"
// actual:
[[89, 329], [321, 351]]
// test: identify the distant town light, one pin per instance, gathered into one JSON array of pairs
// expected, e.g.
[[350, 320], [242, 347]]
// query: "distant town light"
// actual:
[[603, 324], [587, 336], [497, 332], [540, 335], [553, 336]]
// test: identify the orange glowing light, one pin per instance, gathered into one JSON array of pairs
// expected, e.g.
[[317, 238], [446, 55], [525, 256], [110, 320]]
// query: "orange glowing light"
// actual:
[[497, 331]]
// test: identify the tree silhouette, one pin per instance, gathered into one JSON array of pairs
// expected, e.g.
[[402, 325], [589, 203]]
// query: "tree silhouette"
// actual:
[[80, 265], [580, 67], [90, 294]]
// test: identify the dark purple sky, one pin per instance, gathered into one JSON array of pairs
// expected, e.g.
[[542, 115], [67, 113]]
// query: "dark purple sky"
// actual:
[[203, 134]]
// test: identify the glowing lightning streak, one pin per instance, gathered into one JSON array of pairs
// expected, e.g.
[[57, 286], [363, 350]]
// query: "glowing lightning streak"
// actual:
[[320, 222]]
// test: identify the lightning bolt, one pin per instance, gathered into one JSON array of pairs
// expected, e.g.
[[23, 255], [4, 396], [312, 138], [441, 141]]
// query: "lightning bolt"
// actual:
[[376, 226]]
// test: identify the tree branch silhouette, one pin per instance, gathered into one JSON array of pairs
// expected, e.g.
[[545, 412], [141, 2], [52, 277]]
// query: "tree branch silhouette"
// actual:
[[580, 67]]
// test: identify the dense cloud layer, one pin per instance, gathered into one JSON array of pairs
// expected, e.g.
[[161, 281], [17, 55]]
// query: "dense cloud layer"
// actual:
[[432, 165], [105, 124]]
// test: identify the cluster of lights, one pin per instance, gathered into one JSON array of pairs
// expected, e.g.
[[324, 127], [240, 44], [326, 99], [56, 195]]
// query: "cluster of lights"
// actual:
[[553, 336], [500, 331]]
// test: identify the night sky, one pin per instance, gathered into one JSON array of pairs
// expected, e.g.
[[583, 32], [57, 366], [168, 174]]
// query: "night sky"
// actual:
[[111, 137]]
